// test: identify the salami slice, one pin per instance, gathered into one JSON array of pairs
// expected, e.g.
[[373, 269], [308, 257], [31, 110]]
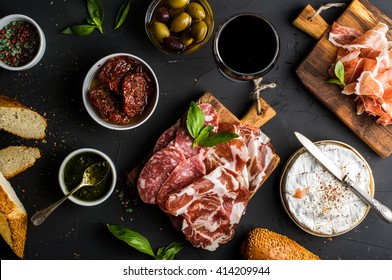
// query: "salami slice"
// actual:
[[168, 136], [184, 174], [156, 171]]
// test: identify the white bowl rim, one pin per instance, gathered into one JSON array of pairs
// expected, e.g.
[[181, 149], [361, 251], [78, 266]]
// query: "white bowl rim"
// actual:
[[64, 188], [41, 50], [92, 111]]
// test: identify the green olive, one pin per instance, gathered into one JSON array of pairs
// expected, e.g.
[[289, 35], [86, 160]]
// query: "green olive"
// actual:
[[186, 38], [199, 31], [176, 4], [196, 11], [160, 31], [180, 22]]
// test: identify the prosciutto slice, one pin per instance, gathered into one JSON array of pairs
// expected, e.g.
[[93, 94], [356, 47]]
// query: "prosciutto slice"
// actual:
[[366, 60]]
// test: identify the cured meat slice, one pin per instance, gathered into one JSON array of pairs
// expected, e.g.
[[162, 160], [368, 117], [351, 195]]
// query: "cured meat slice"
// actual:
[[156, 171], [233, 155], [374, 38], [167, 137], [341, 35], [211, 207], [184, 174], [115, 69], [261, 154]]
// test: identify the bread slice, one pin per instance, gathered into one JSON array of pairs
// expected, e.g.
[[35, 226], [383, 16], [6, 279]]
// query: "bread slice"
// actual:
[[21, 120], [263, 244], [13, 218], [16, 159]]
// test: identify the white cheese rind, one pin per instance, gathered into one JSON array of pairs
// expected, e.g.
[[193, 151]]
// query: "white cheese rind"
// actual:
[[327, 207]]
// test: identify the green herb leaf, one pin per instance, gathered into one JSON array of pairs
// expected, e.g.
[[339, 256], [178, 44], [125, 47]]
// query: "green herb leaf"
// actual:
[[339, 73], [122, 13], [203, 135], [132, 238], [95, 9], [195, 120], [218, 138], [80, 30], [168, 252]]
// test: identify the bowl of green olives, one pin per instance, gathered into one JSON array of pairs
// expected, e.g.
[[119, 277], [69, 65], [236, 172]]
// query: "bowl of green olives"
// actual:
[[179, 26]]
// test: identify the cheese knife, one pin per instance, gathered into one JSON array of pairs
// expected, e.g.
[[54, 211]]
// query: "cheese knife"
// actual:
[[383, 211]]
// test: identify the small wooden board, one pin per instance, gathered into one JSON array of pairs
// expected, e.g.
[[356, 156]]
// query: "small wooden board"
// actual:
[[250, 118], [313, 72]]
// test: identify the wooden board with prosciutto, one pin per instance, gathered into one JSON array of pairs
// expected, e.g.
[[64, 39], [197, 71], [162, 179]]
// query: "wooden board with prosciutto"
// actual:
[[359, 39], [205, 189]]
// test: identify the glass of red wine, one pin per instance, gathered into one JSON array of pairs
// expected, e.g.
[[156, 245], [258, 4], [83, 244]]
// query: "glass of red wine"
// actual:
[[246, 46]]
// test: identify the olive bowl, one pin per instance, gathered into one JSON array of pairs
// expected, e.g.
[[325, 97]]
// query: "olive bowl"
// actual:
[[5, 21], [179, 27], [91, 79], [71, 173]]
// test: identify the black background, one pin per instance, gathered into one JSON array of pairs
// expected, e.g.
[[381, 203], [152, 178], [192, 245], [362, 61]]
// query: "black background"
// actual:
[[53, 88]]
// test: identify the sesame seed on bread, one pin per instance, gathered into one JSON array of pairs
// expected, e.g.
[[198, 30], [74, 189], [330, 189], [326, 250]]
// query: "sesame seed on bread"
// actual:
[[263, 244]]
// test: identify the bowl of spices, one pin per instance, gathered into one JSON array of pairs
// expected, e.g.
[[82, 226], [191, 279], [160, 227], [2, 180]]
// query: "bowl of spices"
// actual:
[[120, 91], [179, 26], [22, 42], [71, 174]]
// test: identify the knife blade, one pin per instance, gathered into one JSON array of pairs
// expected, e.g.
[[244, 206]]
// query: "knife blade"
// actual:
[[383, 211]]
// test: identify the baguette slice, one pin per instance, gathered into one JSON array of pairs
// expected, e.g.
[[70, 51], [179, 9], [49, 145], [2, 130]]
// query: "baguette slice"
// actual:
[[16, 159], [263, 244], [21, 120], [13, 218]]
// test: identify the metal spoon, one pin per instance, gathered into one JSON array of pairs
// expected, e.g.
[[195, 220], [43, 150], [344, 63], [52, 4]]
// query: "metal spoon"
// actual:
[[88, 180]]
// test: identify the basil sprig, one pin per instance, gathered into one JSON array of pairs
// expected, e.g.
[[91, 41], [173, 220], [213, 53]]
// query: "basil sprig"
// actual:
[[122, 13], [202, 134], [96, 12], [141, 243], [339, 73]]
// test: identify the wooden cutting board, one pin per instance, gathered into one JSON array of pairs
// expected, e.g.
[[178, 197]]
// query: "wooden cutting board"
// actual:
[[362, 15], [251, 118]]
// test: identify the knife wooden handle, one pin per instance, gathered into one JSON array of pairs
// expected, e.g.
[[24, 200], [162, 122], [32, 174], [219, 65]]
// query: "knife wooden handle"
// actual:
[[383, 211]]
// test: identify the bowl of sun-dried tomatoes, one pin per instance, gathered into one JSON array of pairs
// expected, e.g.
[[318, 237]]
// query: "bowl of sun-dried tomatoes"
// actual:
[[120, 91]]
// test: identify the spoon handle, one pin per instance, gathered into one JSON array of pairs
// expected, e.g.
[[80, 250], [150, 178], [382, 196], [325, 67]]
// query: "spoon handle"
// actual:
[[39, 217]]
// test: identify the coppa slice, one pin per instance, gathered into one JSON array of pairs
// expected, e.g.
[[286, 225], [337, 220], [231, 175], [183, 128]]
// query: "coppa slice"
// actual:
[[211, 207], [156, 171]]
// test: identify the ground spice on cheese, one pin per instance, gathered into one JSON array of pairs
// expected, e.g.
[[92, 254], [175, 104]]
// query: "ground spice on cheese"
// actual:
[[19, 43]]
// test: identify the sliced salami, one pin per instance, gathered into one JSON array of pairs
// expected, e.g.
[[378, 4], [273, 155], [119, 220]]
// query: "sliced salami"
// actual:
[[167, 137], [156, 171], [184, 174]]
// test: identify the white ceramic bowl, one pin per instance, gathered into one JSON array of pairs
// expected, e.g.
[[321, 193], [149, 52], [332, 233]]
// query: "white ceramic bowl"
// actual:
[[42, 46], [98, 154], [93, 112]]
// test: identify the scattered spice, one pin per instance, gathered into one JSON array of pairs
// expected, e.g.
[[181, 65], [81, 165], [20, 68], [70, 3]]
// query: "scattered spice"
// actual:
[[19, 43]]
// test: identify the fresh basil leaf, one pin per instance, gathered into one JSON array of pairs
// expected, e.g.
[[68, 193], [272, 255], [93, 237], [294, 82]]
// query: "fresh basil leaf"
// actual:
[[168, 252], [90, 21], [204, 133], [218, 138], [122, 14], [132, 238], [80, 30], [339, 72], [194, 120], [95, 10], [334, 81]]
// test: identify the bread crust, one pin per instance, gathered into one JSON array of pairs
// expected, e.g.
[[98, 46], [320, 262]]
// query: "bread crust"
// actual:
[[13, 218], [263, 244], [7, 102], [16, 159]]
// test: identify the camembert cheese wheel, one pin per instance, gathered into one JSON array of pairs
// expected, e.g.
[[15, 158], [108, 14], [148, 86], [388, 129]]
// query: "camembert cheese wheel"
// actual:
[[318, 202]]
